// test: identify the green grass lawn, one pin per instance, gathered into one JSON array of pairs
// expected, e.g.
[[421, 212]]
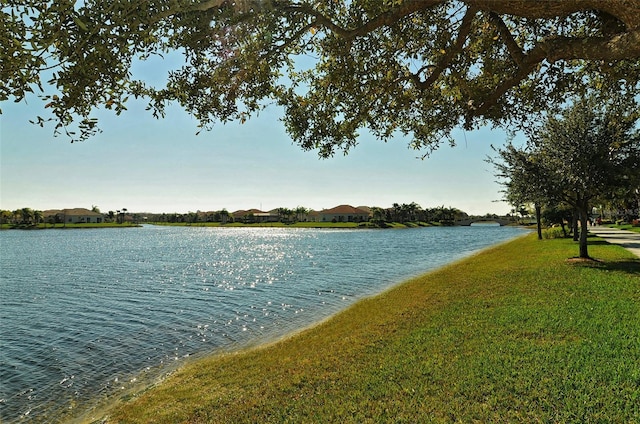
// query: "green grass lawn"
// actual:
[[517, 333], [628, 227]]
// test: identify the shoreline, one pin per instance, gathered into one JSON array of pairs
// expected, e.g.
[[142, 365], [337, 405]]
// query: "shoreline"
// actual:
[[86, 398], [99, 413], [312, 225], [5, 227], [435, 334]]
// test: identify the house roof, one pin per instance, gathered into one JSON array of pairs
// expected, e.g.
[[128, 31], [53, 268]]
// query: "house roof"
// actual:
[[345, 209], [74, 211], [247, 212]]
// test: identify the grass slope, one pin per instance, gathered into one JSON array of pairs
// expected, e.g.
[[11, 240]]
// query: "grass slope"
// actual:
[[628, 227], [516, 333]]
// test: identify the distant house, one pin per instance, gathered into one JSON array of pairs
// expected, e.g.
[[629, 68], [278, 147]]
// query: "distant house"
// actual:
[[255, 216], [313, 216], [73, 216], [343, 213]]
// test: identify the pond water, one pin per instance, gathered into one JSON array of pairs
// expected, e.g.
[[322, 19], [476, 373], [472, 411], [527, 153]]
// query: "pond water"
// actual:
[[87, 314]]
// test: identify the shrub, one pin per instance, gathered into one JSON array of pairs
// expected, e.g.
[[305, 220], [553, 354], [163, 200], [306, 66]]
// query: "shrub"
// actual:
[[552, 233]]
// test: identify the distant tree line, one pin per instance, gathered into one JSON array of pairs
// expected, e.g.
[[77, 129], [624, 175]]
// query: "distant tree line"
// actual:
[[23, 216], [399, 212], [28, 217], [412, 212]]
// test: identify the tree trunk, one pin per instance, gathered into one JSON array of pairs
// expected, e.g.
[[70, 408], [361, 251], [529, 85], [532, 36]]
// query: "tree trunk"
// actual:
[[574, 224], [538, 220], [584, 216]]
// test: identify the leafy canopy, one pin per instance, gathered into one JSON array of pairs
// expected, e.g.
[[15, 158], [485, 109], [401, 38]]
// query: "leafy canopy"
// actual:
[[588, 151], [591, 149], [414, 67]]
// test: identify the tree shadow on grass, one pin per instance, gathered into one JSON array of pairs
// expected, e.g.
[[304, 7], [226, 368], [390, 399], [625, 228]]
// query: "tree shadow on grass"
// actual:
[[625, 244], [630, 266], [597, 242]]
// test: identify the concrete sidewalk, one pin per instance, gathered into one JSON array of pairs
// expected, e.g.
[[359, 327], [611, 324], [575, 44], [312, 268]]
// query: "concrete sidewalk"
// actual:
[[627, 239]]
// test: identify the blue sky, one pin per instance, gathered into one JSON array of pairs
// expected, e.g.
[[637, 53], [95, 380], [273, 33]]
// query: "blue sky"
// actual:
[[150, 165]]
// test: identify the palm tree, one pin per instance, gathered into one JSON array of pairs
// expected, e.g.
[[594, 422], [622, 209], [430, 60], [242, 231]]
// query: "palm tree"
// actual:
[[5, 216], [301, 213], [224, 216], [377, 215], [397, 209], [121, 214], [284, 214], [27, 215], [37, 216], [410, 210]]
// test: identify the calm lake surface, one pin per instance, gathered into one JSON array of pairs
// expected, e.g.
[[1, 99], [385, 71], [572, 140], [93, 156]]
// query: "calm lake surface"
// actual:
[[88, 314]]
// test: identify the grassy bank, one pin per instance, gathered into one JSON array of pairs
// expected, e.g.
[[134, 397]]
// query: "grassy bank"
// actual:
[[515, 334], [628, 227]]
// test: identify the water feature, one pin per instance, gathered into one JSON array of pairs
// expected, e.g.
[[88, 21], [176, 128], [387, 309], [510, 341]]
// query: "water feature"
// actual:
[[85, 314]]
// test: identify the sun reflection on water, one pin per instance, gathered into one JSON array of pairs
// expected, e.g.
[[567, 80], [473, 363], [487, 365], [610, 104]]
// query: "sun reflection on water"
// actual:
[[92, 313]]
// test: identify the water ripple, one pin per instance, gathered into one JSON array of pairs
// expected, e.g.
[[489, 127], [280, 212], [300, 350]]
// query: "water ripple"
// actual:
[[86, 314]]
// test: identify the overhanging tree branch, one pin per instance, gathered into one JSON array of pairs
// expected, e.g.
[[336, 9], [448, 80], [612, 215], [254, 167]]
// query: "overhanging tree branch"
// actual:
[[514, 49], [463, 33], [426, 64], [626, 11], [564, 48], [390, 17]]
